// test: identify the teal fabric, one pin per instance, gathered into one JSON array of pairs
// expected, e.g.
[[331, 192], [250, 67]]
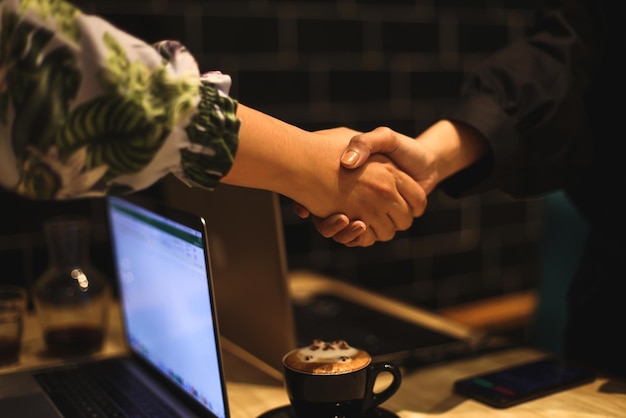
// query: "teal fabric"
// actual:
[[562, 239]]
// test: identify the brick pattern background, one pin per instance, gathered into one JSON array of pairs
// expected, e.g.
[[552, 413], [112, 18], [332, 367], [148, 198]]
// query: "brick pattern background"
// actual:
[[320, 64]]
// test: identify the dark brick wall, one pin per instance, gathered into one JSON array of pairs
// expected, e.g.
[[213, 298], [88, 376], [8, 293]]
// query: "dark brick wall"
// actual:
[[361, 64]]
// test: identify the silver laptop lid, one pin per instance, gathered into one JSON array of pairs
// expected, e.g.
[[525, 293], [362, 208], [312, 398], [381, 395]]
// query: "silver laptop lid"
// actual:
[[162, 265], [249, 264]]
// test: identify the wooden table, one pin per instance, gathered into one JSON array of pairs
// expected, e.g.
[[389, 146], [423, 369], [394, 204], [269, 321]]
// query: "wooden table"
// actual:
[[425, 392]]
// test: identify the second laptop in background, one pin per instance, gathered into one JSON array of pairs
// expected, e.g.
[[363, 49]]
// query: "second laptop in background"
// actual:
[[262, 309]]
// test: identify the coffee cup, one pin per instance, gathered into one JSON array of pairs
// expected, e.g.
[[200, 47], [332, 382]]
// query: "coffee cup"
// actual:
[[335, 380]]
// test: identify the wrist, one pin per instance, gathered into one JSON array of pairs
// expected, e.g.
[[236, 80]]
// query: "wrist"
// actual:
[[453, 146], [313, 177]]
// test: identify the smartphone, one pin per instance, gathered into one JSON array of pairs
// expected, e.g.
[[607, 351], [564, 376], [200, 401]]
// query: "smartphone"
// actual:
[[513, 385]]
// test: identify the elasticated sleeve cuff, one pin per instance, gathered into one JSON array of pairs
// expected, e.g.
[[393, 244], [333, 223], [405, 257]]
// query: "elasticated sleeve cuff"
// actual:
[[482, 113], [213, 134]]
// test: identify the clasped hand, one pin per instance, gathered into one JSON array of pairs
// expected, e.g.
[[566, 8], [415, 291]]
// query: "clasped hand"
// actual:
[[416, 180]]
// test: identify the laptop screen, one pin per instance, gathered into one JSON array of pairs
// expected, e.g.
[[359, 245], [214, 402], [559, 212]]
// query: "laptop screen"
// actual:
[[165, 295]]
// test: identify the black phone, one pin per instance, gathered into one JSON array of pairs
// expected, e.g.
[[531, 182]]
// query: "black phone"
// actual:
[[513, 385]]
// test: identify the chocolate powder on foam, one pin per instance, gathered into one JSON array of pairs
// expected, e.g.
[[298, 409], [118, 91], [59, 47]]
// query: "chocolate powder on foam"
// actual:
[[322, 357]]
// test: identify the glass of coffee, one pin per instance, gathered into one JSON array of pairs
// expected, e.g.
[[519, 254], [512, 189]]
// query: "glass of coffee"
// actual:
[[12, 312], [334, 379], [71, 297]]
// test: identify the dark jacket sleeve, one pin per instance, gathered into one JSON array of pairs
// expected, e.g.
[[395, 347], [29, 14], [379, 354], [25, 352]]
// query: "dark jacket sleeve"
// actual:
[[528, 100]]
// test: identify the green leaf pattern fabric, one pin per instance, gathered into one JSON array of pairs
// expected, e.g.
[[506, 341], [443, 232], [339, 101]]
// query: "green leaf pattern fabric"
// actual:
[[88, 110]]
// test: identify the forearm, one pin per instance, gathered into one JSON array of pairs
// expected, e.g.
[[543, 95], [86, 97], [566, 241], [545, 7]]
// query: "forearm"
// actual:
[[304, 166], [453, 146], [528, 100], [442, 150], [100, 111], [274, 155]]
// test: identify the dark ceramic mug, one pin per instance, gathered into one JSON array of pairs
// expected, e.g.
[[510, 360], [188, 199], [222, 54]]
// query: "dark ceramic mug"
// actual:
[[335, 380]]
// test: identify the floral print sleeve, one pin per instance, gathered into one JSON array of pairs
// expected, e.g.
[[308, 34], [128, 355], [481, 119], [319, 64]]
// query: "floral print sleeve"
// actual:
[[87, 110]]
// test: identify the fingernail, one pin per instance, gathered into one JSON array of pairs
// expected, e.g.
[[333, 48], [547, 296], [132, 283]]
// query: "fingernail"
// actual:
[[357, 240], [341, 221], [300, 212], [350, 157]]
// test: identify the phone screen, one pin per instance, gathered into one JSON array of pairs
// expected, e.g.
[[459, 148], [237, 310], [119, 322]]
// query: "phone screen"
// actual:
[[506, 387]]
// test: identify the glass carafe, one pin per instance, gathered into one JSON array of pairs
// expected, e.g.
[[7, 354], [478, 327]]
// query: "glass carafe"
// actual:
[[71, 297]]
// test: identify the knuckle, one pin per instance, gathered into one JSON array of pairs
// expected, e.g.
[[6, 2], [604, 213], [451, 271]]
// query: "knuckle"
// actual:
[[405, 223], [386, 191], [387, 237], [384, 130], [420, 207], [357, 141], [385, 234]]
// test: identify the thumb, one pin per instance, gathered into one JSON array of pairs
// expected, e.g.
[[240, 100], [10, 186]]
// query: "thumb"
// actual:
[[380, 140], [353, 157], [300, 210], [355, 154]]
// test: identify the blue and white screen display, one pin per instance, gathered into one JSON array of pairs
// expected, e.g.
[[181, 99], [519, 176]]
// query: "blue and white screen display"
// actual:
[[166, 299]]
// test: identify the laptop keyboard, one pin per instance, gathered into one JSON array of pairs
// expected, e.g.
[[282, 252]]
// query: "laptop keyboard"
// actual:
[[329, 317], [105, 390]]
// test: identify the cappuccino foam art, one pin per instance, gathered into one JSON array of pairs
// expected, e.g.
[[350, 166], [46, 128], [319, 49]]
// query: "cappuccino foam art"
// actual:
[[322, 357]]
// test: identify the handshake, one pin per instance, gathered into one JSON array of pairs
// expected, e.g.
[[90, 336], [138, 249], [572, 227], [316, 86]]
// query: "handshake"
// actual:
[[407, 171]]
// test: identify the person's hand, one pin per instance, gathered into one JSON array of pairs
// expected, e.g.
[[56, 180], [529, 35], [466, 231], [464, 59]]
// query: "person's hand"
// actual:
[[304, 166], [337, 226], [387, 197], [442, 150], [403, 150]]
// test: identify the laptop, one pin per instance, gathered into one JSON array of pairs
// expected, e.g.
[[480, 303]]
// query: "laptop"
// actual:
[[174, 365], [268, 310]]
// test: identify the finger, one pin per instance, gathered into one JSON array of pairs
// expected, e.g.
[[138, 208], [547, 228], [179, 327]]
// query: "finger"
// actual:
[[399, 210], [392, 214], [366, 239], [383, 227], [412, 202], [340, 131], [332, 225], [352, 232], [380, 140], [401, 215], [414, 196], [300, 210]]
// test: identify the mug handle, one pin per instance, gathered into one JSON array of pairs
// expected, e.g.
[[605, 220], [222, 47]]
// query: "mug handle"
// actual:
[[373, 399]]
